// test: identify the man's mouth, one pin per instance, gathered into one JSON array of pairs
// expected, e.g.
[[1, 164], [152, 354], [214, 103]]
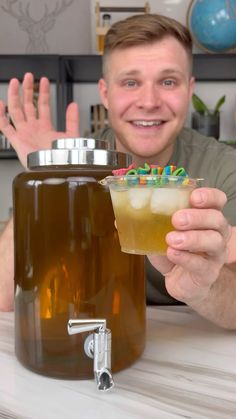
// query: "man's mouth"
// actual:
[[145, 123]]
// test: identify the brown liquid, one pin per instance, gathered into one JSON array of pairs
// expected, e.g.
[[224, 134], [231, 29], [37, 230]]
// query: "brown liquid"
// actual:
[[101, 43], [68, 264]]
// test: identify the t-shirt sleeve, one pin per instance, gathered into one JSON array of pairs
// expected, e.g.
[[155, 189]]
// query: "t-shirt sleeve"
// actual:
[[229, 187], [226, 181], [105, 134]]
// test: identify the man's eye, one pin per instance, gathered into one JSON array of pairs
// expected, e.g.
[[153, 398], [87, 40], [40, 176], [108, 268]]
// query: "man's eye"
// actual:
[[130, 83], [169, 82]]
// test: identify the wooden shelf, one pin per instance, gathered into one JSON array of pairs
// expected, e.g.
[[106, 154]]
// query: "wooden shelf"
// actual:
[[214, 67], [8, 154], [87, 68], [39, 65], [81, 68]]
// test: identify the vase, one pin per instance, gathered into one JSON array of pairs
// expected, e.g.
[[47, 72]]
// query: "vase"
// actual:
[[206, 124]]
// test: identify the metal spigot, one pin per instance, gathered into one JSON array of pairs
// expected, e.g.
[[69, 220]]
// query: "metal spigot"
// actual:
[[96, 346]]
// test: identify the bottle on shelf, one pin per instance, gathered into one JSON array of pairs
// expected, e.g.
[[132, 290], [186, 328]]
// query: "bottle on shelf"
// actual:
[[101, 32]]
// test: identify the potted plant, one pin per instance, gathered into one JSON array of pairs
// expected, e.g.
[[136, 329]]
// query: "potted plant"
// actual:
[[206, 120]]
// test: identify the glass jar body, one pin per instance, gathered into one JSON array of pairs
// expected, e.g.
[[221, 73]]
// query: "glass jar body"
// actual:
[[68, 264]]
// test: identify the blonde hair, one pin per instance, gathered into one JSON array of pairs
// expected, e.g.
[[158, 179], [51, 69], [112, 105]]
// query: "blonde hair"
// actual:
[[144, 29]]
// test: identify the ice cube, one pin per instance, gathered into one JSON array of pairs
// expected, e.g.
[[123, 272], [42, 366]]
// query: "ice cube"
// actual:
[[119, 198], [139, 197], [183, 198], [165, 201]]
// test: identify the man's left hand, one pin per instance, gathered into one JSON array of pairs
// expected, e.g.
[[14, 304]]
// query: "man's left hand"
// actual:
[[198, 247]]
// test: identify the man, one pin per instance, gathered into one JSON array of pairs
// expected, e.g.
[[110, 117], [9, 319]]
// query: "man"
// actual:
[[146, 88]]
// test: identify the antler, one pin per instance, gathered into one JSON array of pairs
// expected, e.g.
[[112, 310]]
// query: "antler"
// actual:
[[59, 8], [8, 8], [27, 12], [36, 29]]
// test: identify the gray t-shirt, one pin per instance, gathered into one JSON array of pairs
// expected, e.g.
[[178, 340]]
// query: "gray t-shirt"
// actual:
[[202, 157]]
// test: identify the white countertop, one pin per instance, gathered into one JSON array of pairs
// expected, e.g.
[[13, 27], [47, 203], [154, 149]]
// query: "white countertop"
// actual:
[[188, 370]]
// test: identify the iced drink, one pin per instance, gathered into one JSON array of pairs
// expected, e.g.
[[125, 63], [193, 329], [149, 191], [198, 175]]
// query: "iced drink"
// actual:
[[143, 207]]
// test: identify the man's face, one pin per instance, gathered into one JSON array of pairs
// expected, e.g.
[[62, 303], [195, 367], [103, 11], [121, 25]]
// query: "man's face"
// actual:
[[147, 90]]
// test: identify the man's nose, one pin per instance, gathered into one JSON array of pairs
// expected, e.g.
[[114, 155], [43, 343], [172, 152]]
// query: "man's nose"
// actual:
[[149, 97]]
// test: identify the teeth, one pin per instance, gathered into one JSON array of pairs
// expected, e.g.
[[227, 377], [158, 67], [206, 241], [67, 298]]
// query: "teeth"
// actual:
[[147, 123]]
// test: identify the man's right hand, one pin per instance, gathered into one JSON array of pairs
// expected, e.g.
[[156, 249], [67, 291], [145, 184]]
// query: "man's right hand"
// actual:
[[32, 132]]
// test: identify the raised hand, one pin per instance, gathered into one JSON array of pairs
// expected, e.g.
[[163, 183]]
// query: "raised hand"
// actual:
[[33, 132], [197, 248]]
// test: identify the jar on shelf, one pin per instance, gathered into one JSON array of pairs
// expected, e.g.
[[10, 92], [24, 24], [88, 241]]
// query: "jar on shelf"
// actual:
[[101, 32]]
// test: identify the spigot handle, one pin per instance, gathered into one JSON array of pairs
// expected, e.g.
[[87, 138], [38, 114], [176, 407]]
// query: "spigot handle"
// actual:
[[75, 326], [98, 347]]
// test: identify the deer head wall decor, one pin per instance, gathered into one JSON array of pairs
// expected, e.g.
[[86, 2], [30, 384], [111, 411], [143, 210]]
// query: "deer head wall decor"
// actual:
[[36, 29]]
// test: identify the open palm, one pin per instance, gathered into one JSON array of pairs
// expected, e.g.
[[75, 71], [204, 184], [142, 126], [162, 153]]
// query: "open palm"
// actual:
[[33, 130]]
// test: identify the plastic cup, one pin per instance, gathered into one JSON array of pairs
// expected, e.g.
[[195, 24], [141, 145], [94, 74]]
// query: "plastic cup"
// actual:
[[143, 207]]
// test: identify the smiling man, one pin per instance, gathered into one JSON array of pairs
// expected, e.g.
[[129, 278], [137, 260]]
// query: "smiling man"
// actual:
[[151, 82], [146, 87]]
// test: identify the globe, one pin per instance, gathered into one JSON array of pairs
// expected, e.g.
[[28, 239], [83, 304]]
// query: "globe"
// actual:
[[213, 24]]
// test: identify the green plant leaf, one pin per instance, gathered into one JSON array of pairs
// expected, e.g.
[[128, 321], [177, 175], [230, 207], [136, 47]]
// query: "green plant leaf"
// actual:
[[199, 105], [219, 104]]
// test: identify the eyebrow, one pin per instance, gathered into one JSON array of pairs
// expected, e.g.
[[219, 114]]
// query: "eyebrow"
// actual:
[[165, 72], [129, 73], [170, 71]]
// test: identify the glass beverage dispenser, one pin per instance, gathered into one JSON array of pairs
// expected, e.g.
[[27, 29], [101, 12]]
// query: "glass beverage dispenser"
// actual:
[[69, 266]]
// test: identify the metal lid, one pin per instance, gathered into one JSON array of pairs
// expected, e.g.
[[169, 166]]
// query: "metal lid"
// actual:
[[78, 157], [69, 143]]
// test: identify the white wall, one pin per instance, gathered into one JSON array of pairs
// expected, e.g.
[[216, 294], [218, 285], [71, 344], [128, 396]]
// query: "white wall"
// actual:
[[66, 31], [8, 170]]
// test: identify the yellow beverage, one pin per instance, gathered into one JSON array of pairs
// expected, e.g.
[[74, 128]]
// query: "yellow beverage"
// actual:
[[101, 43], [143, 211]]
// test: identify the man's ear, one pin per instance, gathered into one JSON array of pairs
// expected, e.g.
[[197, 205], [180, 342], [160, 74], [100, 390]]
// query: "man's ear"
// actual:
[[102, 87], [191, 87]]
